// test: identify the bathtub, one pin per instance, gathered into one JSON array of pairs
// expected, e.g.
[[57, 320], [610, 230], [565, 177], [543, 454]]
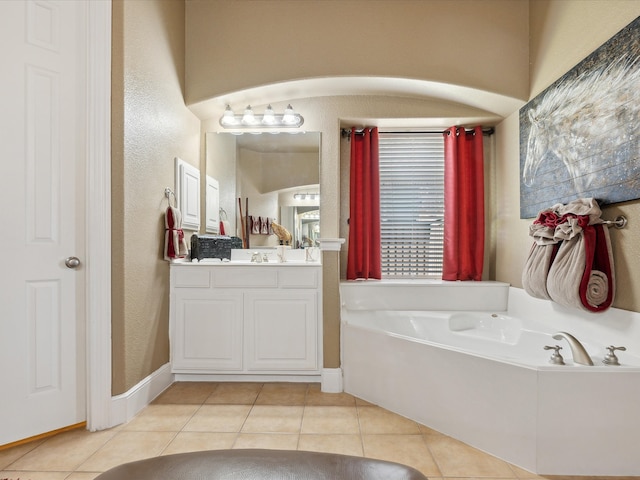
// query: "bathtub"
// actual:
[[467, 359]]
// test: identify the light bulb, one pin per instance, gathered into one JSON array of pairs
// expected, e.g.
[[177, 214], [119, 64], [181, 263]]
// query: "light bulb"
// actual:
[[228, 117], [269, 117], [248, 118], [289, 116]]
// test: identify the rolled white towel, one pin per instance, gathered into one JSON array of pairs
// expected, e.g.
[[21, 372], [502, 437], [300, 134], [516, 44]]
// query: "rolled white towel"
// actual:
[[597, 288]]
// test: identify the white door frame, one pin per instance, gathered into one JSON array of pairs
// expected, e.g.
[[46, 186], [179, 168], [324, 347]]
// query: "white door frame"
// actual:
[[98, 215]]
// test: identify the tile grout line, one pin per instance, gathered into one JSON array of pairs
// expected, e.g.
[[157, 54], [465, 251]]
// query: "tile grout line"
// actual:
[[253, 404], [304, 409], [188, 420], [360, 429]]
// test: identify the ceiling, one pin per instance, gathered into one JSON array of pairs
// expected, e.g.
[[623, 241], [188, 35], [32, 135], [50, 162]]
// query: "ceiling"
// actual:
[[282, 142]]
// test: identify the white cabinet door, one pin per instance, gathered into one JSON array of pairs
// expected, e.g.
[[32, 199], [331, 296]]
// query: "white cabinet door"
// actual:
[[188, 194], [207, 331], [281, 330]]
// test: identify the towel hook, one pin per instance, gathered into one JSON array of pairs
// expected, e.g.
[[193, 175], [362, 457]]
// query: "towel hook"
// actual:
[[168, 193]]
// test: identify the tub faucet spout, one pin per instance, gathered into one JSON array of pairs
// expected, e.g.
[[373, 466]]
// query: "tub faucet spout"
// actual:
[[578, 352]]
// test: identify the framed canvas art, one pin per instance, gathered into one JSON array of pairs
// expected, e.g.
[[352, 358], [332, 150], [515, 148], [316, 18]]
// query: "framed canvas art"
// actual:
[[580, 137]]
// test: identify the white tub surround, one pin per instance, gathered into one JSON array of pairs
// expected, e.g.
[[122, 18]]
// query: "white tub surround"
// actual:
[[467, 359], [240, 321], [331, 244], [426, 295]]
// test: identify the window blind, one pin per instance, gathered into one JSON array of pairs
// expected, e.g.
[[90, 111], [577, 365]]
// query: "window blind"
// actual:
[[411, 204]]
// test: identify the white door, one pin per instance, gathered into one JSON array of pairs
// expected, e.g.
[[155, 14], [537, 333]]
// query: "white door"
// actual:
[[43, 141]]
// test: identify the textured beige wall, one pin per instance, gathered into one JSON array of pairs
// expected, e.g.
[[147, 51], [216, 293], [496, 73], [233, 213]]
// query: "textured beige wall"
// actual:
[[238, 45], [220, 163], [151, 126], [562, 34]]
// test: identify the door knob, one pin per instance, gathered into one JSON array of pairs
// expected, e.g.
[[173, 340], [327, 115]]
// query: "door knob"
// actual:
[[72, 262]]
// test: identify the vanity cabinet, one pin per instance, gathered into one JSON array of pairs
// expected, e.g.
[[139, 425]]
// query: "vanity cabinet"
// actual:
[[248, 319]]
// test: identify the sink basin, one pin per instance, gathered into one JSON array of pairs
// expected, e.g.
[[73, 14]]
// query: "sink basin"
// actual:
[[217, 261], [244, 256]]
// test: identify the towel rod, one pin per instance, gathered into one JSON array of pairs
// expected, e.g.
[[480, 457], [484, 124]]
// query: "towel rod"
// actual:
[[346, 132], [619, 222]]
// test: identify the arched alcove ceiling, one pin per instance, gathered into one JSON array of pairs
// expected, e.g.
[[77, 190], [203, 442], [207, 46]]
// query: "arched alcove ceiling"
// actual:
[[494, 104]]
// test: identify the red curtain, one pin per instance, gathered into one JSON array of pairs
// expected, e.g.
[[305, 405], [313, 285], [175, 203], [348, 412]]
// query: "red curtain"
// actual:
[[463, 204], [363, 255]]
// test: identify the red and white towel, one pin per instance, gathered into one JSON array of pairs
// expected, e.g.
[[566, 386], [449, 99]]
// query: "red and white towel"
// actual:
[[571, 261], [260, 225], [175, 245]]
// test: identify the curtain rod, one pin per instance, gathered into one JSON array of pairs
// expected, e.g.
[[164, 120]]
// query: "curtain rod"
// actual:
[[345, 132]]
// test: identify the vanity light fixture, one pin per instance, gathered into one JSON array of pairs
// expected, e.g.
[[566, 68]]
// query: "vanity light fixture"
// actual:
[[270, 119], [315, 215], [306, 196]]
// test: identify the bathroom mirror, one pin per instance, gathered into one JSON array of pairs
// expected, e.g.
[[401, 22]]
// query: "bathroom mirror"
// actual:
[[276, 176]]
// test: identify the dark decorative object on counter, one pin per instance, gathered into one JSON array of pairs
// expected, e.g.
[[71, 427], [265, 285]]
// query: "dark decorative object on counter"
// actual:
[[213, 246]]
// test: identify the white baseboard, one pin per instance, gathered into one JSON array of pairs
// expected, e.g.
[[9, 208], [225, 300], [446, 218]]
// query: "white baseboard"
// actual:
[[331, 380], [127, 405], [261, 378]]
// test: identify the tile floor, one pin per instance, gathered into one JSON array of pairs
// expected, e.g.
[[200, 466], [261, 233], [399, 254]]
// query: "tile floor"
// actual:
[[209, 416]]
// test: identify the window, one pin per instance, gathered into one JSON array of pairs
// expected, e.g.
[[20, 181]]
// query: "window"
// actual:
[[411, 204]]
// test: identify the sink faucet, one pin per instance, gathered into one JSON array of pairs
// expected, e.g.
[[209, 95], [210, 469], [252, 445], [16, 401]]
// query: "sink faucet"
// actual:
[[578, 352]]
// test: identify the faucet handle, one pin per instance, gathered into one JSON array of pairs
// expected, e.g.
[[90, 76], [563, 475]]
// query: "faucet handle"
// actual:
[[611, 358], [556, 358]]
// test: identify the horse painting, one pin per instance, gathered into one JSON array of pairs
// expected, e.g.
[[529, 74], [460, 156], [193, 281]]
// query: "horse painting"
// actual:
[[581, 136]]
